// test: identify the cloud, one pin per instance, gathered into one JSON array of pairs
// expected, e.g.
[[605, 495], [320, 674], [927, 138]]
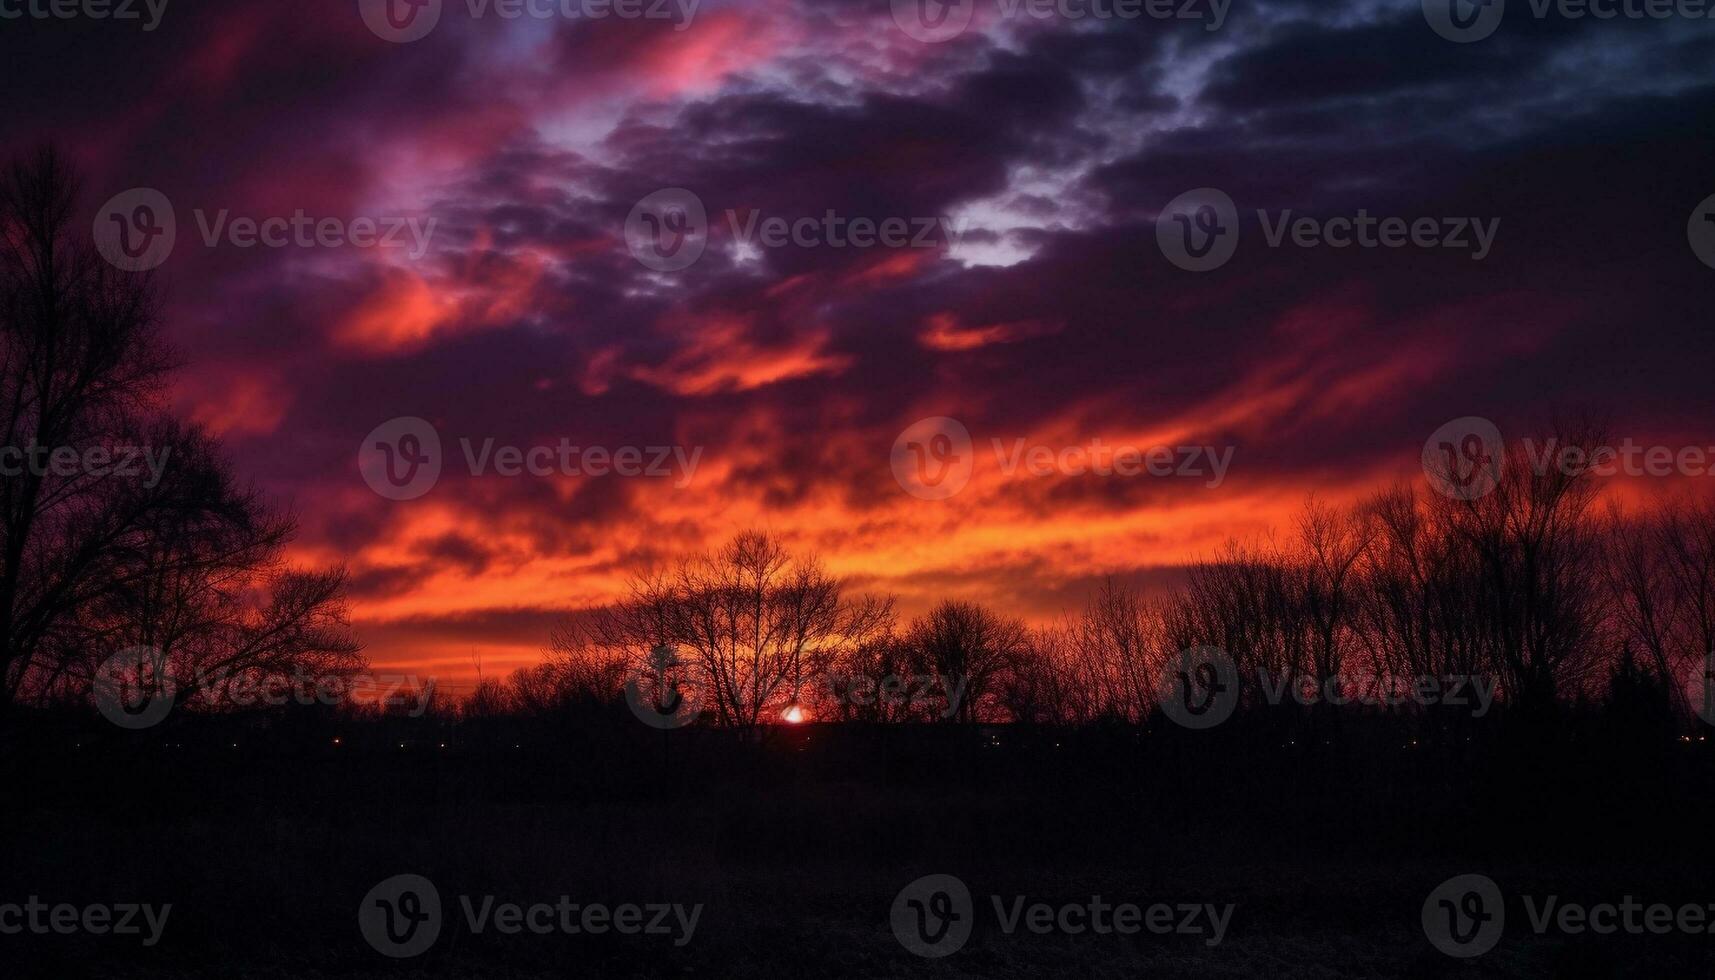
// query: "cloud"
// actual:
[[1055, 319]]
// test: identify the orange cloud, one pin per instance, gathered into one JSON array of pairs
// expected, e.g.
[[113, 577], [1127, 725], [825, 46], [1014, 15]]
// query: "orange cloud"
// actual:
[[944, 333], [402, 314], [723, 355], [237, 402]]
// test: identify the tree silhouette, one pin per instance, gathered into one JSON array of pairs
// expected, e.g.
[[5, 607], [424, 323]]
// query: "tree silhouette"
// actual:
[[185, 561], [971, 650], [758, 626]]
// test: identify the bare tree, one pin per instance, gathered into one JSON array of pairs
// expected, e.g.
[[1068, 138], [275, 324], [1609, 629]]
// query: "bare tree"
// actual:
[[758, 626], [1538, 550], [1246, 601], [871, 682], [1051, 683], [970, 649], [1330, 591], [1423, 613], [1113, 651], [92, 560], [1690, 541], [577, 669], [1662, 571], [1334, 543]]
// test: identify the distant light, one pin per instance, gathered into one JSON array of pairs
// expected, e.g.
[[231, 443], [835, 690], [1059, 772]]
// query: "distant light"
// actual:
[[336, 741], [794, 715]]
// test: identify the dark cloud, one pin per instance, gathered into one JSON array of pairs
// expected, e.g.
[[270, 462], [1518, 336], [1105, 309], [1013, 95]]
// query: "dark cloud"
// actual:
[[794, 369]]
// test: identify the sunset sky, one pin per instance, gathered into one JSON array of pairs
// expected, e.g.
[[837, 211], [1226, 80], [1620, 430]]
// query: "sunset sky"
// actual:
[[1049, 145]]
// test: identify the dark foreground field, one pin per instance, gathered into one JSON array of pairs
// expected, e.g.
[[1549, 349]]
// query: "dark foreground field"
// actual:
[[266, 843]]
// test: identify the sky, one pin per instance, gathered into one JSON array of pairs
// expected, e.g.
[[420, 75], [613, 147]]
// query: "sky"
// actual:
[[532, 175]]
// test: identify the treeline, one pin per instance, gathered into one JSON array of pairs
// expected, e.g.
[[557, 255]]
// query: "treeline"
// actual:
[[1541, 592]]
